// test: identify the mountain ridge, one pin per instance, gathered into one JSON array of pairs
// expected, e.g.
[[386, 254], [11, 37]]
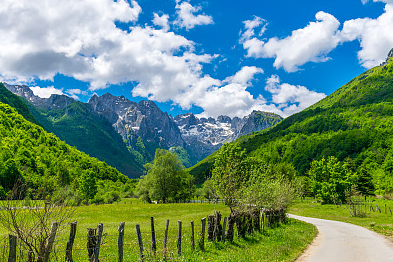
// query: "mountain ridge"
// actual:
[[143, 127]]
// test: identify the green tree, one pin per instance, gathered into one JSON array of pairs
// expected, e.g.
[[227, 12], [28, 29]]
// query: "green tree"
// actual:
[[230, 173], [87, 185], [165, 179], [331, 180]]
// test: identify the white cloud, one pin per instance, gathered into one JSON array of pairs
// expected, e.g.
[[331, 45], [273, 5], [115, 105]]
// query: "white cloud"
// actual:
[[79, 39], [161, 21], [311, 43], [245, 75], [250, 25], [39, 39], [384, 1], [188, 19], [375, 36], [75, 92], [291, 99], [46, 92]]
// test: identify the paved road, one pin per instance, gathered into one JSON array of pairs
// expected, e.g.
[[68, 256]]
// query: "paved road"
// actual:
[[343, 242]]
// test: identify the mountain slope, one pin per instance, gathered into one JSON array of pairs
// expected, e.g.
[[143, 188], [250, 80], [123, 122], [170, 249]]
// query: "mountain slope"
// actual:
[[143, 126], [42, 160], [78, 125], [14, 101], [355, 122]]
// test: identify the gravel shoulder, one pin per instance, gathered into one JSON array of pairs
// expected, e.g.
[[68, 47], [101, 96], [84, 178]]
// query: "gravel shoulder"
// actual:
[[338, 241]]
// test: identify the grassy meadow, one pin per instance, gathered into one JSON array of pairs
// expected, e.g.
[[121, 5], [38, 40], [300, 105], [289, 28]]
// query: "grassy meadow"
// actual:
[[282, 243], [379, 222]]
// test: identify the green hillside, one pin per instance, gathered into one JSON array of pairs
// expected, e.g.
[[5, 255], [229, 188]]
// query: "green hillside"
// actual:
[[7, 97], [44, 162], [353, 123], [79, 126]]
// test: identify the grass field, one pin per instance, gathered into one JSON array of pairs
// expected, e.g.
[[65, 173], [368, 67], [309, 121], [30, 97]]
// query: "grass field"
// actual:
[[283, 243], [379, 222]]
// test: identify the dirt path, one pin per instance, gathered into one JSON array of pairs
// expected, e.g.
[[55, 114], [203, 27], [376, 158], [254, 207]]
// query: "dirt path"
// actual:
[[343, 242]]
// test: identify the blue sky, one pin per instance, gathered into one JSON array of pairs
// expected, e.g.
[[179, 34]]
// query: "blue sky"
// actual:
[[206, 57]]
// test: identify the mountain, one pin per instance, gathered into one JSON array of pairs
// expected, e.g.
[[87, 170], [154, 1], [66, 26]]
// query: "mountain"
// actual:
[[79, 125], [126, 134], [7, 97], [143, 126], [42, 161], [353, 123], [204, 136]]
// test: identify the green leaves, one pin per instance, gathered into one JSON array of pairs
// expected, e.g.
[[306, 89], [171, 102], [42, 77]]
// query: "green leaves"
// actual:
[[43, 161], [331, 180], [165, 179]]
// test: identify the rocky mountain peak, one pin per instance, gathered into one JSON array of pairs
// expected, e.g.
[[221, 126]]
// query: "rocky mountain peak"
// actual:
[[390, 55], [224, 119]]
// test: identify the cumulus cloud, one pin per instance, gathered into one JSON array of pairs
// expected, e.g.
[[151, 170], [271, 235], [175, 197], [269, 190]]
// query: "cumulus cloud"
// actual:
[[46, 92], [291, 99], [311, 43], [80, 39], [188, 19], [245, 75], [314, 42], [75, 92], [375, 36], [161, 21]]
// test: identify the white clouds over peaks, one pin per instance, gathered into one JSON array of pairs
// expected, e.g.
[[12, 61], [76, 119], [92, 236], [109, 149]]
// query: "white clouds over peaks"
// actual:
[[311, 43], [188, 19], [375, 36], [291, 99], [46, 92]]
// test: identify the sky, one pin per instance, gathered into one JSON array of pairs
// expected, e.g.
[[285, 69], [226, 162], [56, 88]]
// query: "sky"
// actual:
[[209, 57]]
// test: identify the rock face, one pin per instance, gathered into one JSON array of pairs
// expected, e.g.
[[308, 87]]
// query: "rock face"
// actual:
[[204, 136], [139, 123], [53, 102]]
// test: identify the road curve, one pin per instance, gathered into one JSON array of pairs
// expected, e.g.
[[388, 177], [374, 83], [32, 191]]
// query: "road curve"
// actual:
[[343, 242]]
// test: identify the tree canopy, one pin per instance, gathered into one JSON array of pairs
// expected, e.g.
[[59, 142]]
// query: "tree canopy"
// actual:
[[166, 179]]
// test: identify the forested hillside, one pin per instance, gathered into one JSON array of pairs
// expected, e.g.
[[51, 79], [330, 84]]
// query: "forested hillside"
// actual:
[[353, 124], [78, 125], [44, 162], [9, 98]]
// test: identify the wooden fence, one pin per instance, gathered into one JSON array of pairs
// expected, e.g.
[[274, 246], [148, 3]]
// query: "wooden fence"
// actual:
[[142, 245]]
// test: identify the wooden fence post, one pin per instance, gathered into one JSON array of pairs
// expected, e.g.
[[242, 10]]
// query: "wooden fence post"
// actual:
[[153, 236], [166, 235], [12, 251], [91, 242], [202, 235], [210, 228], [138, 233], [98, 243], [385, 210], [120, 241], [192, 236], [70, 242], [390, 211], [179, 239], [224, 228], [51, 240]]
